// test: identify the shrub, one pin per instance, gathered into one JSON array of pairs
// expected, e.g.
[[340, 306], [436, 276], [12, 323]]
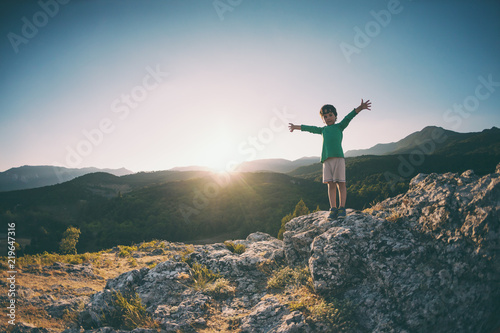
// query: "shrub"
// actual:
[[221, 288], [333, 316], [132, 262], [126, 251], [285, 277], [235, 248], [323, 315], [186, 254], [148, 245], [336, 315], [202, 275], [128, 313]]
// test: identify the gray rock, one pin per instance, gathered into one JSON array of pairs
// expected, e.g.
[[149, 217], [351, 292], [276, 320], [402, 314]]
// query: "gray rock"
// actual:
[[59, 308], [299, 235], [295, 322], [425, 259], [265, 317]]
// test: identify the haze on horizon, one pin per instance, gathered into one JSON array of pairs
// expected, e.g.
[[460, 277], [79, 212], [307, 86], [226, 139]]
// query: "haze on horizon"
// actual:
[[162, 84]]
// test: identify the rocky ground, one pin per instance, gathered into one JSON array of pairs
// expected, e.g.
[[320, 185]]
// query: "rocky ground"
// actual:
[[424, 261]]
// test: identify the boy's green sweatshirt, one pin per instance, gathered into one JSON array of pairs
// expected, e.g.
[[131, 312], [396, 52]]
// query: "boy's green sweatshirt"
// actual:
[[332, 136]]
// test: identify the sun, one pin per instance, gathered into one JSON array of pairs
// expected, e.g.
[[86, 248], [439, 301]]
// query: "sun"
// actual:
[[217, 154]]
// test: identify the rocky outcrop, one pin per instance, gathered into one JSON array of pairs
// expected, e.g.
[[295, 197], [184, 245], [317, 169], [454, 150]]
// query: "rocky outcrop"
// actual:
[[416, 262], [424, 261], [168, 293]]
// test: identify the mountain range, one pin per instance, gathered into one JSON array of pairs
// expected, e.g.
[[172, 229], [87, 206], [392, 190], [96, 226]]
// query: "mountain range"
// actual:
[[431, 140], [26, 177]]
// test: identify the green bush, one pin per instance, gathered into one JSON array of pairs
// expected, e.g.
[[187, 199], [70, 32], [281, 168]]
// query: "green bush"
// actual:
[[325, 316], [128, 313], [322, 315], [202, 276], [288, 277], [69, 241], [235, 248], [126, 251]]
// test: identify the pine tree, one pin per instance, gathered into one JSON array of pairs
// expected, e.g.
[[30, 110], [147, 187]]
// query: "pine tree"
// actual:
[[300, 209]]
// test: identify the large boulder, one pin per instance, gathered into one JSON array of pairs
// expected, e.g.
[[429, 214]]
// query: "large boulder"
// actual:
[[424, 260]]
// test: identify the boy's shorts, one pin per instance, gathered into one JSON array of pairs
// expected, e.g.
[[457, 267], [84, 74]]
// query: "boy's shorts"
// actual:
[[334, 170]]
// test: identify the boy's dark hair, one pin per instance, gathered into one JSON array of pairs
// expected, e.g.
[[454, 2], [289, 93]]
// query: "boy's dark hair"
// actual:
[[327, 109]]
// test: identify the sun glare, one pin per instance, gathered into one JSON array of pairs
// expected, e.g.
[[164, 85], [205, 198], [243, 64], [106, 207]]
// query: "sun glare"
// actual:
[[217, 154]]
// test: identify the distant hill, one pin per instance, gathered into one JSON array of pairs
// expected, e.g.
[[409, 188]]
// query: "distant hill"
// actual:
[[171, 205], [191, 168], [436, 138], [276, 165], [27, 176]]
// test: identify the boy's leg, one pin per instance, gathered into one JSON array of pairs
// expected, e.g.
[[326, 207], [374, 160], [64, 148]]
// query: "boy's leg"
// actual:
[[342, 193], [342, 198], [332, 194]]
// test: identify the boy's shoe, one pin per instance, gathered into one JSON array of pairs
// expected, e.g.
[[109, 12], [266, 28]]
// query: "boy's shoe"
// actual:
[[341, 213], [334, 213]]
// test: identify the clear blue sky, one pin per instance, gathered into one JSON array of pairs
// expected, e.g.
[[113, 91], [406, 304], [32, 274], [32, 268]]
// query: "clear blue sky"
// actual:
[[150, 85]]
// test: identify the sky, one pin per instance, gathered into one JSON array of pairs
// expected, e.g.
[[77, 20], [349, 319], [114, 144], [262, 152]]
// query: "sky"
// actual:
[[156, 84]]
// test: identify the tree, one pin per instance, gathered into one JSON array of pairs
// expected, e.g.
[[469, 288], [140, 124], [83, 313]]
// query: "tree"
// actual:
[[69, 240], [300, 209]]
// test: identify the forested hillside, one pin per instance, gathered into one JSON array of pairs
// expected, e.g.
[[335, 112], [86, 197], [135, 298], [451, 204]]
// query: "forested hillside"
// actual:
[[113, 210]]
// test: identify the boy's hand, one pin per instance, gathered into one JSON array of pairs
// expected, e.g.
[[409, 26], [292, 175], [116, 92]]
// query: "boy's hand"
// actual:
[[364, 106], [292, 127]]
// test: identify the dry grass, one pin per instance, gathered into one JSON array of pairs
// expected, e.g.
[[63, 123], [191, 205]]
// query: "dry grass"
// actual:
[[374, 207], [33, 280], [395, 217], [219, 323]]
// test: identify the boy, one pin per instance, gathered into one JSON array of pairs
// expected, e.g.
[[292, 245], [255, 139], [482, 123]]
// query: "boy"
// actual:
[[332, 155]]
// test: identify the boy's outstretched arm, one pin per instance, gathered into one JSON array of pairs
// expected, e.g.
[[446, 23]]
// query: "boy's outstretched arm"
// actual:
[[364, 106], [292, 127]]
